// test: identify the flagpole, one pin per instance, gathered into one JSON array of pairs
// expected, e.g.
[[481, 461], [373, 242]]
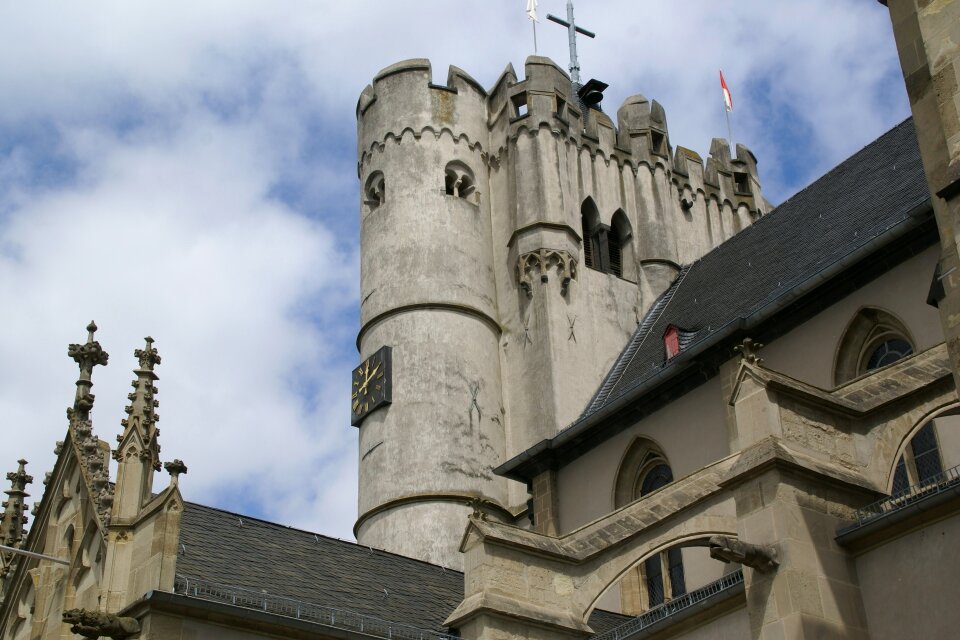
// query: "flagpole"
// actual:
[[729, 130], [534, 23]]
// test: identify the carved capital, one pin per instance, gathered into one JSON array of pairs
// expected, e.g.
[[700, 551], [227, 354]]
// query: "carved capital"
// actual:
[[538, 264]]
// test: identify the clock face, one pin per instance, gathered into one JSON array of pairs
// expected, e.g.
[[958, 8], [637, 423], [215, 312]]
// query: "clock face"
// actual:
[[371, 385]]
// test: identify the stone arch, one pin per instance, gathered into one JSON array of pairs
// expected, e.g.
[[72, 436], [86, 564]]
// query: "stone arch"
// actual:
[[869, 329], [374, 190], [692, 531], [891, 437], [459, 181], [907, 439]]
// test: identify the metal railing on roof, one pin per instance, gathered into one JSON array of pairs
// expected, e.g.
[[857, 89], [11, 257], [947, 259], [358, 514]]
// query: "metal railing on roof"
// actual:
[[668, 609], [939, 483], [290, 608]]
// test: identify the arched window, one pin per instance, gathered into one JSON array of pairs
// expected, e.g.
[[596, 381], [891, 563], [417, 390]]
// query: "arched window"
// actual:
[[374, 190], [874, 338], [590, 227], [663, 573], [643, 470], [458, 180], [920, 462], [620, 243]]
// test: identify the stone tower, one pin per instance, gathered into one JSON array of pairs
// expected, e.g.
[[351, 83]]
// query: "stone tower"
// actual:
[[511, 241]]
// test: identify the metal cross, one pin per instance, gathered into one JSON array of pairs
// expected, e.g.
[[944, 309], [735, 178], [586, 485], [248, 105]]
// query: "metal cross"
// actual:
[[572, 30]]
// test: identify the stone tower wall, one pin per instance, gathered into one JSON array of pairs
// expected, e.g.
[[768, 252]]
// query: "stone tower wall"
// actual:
[[428, 291], [501, 333]]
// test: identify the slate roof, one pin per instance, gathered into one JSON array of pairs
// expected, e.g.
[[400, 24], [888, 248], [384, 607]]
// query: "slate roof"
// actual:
[[862, 208], [868, 194], [236, 550]]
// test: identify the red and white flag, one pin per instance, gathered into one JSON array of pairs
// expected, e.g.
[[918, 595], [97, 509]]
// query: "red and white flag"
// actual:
[[727, 98]]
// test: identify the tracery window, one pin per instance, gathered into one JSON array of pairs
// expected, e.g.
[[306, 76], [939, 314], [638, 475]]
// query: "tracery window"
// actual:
[[920, 462], [659, 578], [458, 180], [874, 338]]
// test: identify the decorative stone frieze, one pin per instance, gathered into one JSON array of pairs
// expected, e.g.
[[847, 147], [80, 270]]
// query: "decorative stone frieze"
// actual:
[[537, 264]]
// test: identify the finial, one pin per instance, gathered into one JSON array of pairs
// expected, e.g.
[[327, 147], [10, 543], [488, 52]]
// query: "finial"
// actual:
[[14, 517], [147, 356], [87, 356], [749, 351], [175, 468]]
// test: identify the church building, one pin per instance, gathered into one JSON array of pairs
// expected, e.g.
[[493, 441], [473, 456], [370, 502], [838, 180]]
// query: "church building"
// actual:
[[606, 390]]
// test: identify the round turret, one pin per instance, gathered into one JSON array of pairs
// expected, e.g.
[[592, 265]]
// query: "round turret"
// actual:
[[428, 292]]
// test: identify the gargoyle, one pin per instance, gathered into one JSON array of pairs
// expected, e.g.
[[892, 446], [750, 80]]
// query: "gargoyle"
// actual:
[[727, 549], [94, 624]]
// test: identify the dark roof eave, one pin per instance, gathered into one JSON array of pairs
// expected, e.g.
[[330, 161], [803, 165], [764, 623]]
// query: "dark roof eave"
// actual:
[[543, 455]]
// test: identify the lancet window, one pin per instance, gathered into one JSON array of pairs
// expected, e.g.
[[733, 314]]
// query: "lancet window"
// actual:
[[605, 248], [659, 578]]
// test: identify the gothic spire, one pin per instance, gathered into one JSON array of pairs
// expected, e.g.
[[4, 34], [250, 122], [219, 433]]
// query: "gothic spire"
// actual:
[[87, 356], [138, 451], [88, 447], [14, 509], [142, 416]]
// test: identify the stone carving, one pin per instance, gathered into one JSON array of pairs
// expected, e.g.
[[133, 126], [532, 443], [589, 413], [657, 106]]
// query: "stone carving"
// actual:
[[540, 262], [727, 549], [175, 468], [750, 351], [94, 624], [89, 451]]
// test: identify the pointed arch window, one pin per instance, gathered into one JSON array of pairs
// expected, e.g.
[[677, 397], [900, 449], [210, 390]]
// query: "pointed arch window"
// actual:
[[606, 248], [920, 462], [659, 578], [874, 339]]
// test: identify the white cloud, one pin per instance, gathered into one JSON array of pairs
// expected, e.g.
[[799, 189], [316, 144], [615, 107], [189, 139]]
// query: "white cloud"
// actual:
[[187, 170]]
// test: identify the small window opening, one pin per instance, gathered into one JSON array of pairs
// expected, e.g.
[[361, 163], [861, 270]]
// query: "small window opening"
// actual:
[[375, 190], [671, 341], [520, 107], [742, 183], [658, 143], [458, 180], [561, 106]]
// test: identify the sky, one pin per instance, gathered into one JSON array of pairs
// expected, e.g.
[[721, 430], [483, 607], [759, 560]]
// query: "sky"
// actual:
[[187, 170]]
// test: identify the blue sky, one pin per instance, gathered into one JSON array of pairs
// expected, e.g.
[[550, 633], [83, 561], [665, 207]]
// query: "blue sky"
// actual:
[[187, 170]]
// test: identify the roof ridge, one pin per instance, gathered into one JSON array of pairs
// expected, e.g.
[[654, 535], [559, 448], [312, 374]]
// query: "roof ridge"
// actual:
[[633, 346]]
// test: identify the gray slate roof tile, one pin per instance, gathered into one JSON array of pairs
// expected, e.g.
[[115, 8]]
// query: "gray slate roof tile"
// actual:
[[292, 563], [871, 192]]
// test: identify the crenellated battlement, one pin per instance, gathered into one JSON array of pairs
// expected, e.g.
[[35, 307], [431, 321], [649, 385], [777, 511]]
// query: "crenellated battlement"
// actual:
[[403, 100]]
